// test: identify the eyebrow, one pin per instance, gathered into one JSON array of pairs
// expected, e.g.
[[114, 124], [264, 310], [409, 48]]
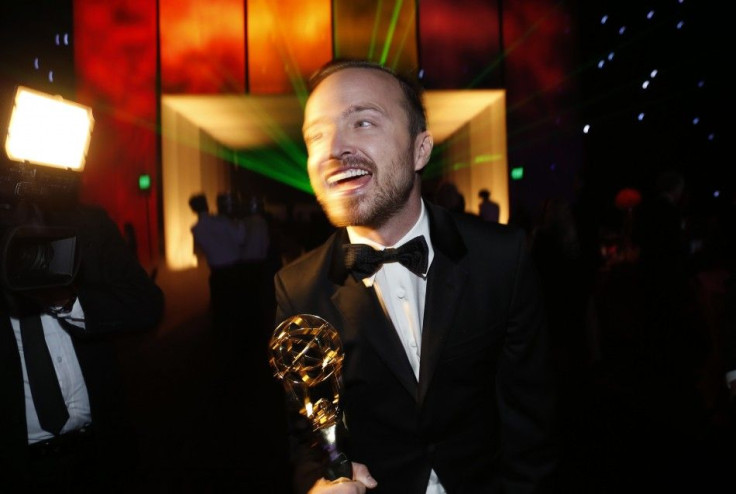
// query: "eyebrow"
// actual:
[[361, 108]]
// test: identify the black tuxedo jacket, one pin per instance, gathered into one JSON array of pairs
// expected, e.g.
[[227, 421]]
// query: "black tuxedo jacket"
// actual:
[[116, 295], [481, 413]]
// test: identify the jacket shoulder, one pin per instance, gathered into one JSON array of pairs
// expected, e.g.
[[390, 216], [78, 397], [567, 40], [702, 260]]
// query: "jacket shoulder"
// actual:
[[310, 265]]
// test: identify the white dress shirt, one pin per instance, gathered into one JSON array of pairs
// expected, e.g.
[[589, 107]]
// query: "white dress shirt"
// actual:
[[220, 239], [67, 370], [402, 295]]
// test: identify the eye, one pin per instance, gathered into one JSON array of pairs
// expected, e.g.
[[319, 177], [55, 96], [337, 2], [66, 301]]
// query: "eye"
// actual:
[[363, 123], [312, 137]]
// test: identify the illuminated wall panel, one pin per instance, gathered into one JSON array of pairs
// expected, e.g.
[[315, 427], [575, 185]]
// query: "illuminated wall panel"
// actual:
[[475, 157], [287, 41], [460, 44], [384, 31], [191, 165], [115, 62], [202, 46], [489, 161]]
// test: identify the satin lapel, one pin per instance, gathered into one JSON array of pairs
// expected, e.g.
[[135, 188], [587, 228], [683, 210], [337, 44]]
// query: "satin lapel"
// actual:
[[444, 290], [445, 282], [363, 317]]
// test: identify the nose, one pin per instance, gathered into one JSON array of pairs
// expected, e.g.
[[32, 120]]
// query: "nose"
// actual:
[[341, 144]]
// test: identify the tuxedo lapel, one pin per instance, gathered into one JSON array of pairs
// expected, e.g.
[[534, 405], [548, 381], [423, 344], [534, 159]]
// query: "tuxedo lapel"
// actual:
[[444, 290], [364, 318], [13, 429], [445, 282]]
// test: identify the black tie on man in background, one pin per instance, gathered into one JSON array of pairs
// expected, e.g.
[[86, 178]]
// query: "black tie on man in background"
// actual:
[[45, 390]]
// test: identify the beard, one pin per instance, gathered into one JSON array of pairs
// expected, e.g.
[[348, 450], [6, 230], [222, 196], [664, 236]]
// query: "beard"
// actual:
[[392, 189]]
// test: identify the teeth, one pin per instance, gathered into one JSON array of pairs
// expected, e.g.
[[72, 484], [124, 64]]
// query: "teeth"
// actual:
[[350, 173]]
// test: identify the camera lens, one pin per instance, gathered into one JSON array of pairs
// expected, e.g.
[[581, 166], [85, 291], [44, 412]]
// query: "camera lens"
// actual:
[[29, 256]]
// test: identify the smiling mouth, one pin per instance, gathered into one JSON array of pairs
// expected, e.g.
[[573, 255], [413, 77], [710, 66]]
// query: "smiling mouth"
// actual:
[[347, 175]]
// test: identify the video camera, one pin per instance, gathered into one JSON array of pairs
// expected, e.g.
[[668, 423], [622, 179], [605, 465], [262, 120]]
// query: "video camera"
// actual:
[[46, 146]]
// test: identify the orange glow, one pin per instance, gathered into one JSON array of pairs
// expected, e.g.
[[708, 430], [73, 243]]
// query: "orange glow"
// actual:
[[382, 31], [459, 41], [115, 65], [202, 46], [287, 41]]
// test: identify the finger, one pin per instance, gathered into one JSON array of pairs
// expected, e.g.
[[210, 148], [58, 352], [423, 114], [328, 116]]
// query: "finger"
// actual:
[[339, 486], [362, 475]]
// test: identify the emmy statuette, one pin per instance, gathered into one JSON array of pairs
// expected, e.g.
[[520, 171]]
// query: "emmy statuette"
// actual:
[[306, 355]]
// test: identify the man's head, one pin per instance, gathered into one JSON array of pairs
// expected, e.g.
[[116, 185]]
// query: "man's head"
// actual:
[[198, 203], [228, 204], [366, 136]]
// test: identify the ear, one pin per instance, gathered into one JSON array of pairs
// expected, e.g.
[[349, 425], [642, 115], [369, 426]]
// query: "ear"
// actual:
[[422, 150]]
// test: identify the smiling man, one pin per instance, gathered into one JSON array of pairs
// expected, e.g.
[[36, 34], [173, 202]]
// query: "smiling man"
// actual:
[[446, 379]]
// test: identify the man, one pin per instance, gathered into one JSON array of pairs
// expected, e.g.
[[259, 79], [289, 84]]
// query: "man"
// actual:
[[220, 238], [488, 210], [91, 448], [446, 383]]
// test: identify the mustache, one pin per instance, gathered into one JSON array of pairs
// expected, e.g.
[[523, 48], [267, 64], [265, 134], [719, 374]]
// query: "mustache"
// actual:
[[357, 162]]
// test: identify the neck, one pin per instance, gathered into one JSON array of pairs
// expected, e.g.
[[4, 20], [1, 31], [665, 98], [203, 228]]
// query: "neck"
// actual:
[[398, 225]]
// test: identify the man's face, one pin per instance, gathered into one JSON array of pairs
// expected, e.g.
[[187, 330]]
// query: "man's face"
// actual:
[[361, 157]]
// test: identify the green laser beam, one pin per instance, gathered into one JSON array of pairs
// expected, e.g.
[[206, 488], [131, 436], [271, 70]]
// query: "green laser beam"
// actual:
[[391, 30]]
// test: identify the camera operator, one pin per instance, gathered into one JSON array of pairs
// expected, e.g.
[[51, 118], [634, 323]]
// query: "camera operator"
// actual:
[[89, 446]]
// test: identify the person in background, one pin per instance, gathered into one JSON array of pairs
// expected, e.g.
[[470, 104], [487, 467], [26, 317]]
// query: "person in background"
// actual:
[[86, 443], [220, 239], [489, 210], [447, 196], [446, 372], [257, 267]]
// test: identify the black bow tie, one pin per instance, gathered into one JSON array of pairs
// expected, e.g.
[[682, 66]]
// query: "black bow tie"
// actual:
[[363, 260]]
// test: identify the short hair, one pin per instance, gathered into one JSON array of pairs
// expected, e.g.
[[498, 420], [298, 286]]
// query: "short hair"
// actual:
[[413, 92], [228, 204], [198, 203]]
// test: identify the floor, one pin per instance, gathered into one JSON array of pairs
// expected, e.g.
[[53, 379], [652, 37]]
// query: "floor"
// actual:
[[208, 418]]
